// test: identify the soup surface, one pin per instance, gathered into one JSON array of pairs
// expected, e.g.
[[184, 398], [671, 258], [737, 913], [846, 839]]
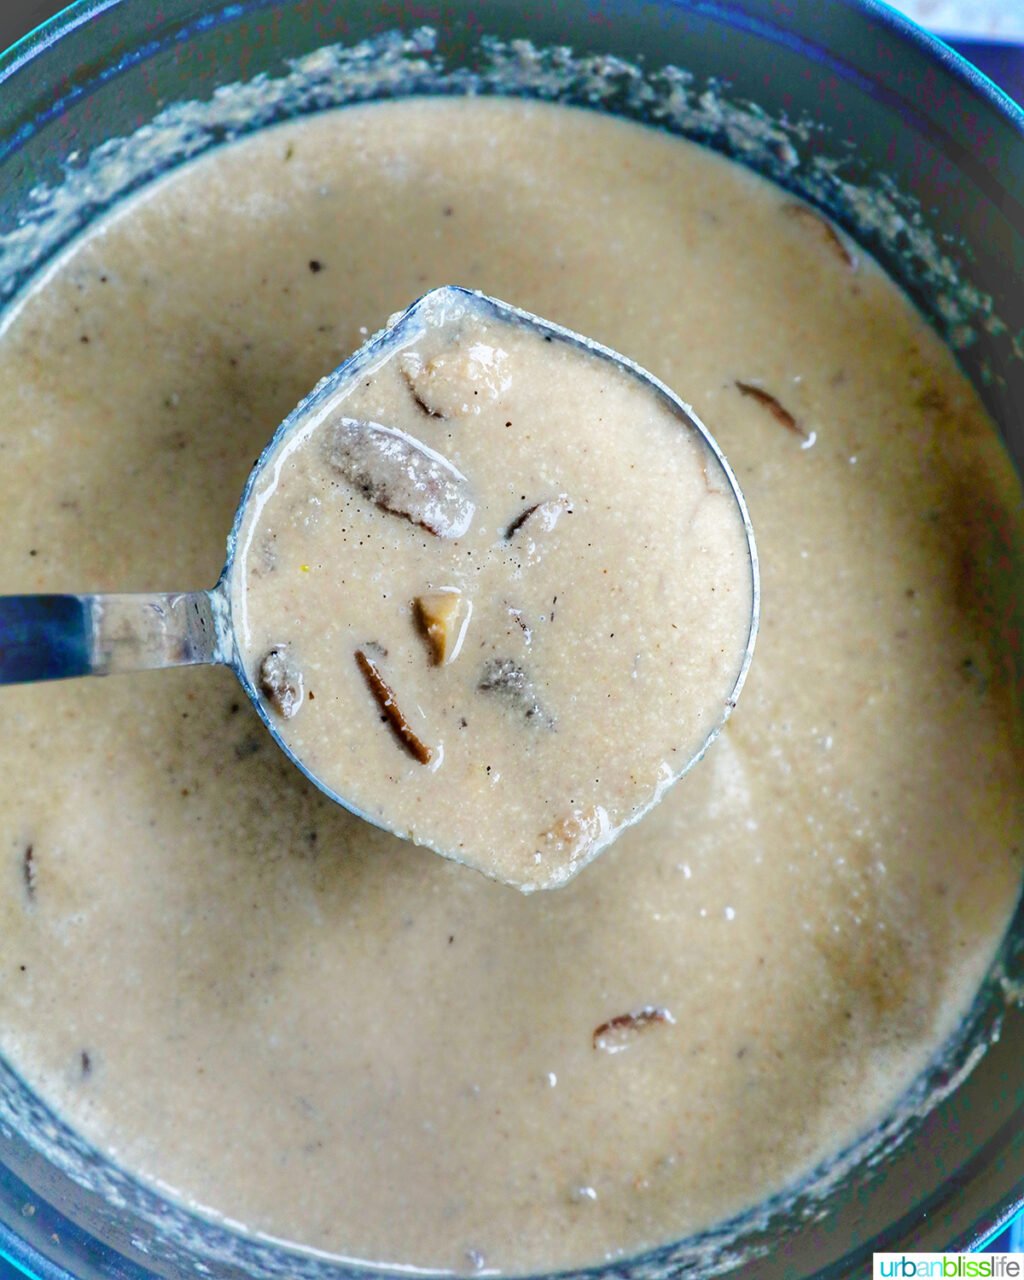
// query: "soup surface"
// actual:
[[327, 1034], [518, 578]]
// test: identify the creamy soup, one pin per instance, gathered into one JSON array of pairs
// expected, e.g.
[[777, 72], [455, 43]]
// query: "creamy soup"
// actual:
[[248, 995], [494, 589]]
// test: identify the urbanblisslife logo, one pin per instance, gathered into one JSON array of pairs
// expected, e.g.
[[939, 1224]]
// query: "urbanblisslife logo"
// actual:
[[946, 1266]]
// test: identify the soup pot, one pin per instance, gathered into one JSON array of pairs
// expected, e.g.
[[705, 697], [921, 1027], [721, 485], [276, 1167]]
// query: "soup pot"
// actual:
[[842, 101]]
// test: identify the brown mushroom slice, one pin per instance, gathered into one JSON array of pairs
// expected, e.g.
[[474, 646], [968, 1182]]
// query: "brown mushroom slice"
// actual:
[[542, 517], [621, 1032], [823, 228], [507, 680], [443, 617], [774, 406], [390, 710], [402, 476], [280, 682], [458, 382], [29, 871]]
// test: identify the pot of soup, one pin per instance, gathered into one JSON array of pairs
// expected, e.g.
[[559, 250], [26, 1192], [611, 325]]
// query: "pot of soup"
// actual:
[[775, 1026]]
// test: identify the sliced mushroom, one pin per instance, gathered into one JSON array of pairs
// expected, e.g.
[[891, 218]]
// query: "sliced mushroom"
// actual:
[[402, 475], [508, 681], [619, 1033], [774, 406], [443, 617], [390, 710], [280, 682], [459, 382], [823, 228], [542, 517]]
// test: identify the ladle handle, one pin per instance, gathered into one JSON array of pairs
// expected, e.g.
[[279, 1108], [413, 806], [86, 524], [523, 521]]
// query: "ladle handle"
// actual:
[[55, 637]]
